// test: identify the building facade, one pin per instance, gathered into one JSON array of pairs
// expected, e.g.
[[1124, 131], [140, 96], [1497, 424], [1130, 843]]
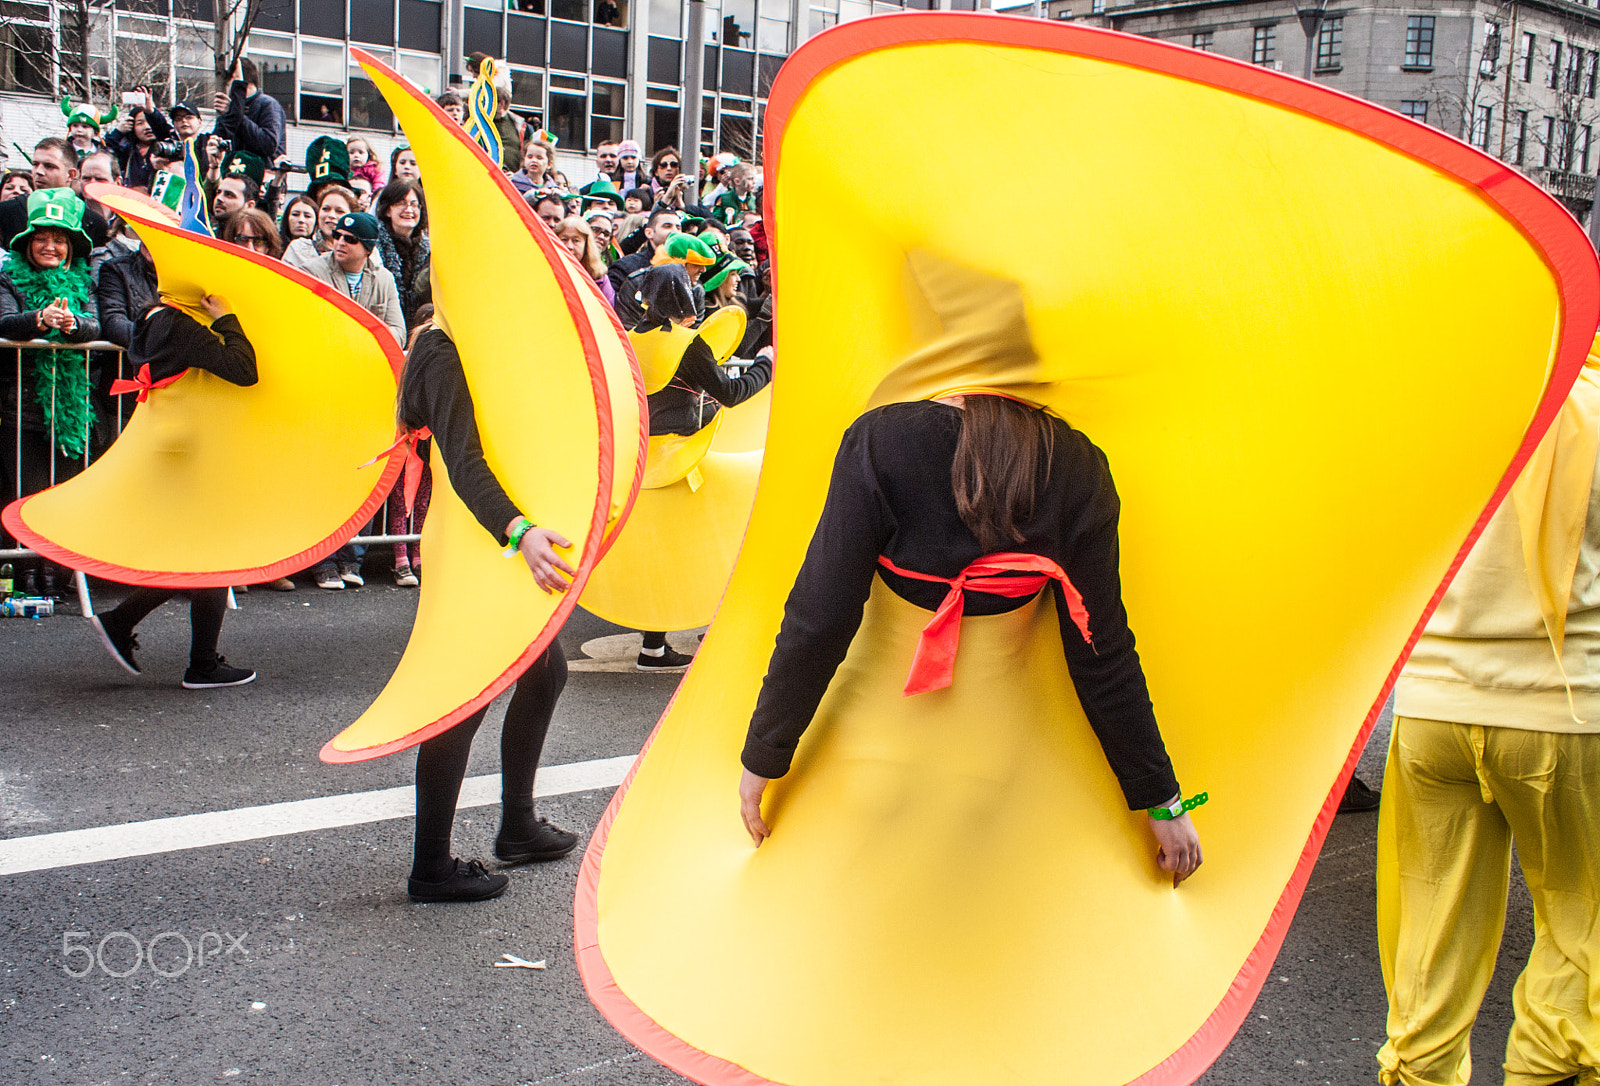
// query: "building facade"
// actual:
[[1516, 79], [585, 69]]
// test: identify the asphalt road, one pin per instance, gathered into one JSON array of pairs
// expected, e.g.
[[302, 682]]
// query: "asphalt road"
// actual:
[[307, 963]]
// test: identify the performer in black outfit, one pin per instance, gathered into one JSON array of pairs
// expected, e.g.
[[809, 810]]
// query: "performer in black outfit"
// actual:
[[920, 492], [434, 395], [165, 343]]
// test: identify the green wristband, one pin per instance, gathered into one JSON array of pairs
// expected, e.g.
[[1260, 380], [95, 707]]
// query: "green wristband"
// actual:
[[514, 540], [1179, 808]]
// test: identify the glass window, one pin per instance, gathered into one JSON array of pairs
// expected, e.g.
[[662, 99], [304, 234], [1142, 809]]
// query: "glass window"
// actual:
[[1491, 49], [713, 16], [1097, 7], [768, 69], [480, 33], [1584, 135], [1482, 118], [25, 57], [1590, 72], [610, 53], [573, 10], [1416, 109], [661, 127], [666, 61], [527, 7], [1552, 78], [422, 71], [1549, 142], [367, 107], [1419, 41], [1204, 41], [419, 25], [372, 21], [611, 13], [1519, 139], [569, 47], [1265, 48], [201, 10], [569, 118], [274, 15], [321, 19], [525, 40], [739, 23], [527, 96], [772, 35], [853, 9], [277, 80], [1330, 43], [666, 18], [820, 20], [738, 71], [738, 135], [1525, 60], [608, 104], [322, 67]]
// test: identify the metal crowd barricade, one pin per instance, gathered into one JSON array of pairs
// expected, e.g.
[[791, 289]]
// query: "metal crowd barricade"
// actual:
[[18, 350]]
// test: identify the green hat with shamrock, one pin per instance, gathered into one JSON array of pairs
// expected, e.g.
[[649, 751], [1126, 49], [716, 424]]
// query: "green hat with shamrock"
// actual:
[[58, 209], [245, 164], [328, 160]]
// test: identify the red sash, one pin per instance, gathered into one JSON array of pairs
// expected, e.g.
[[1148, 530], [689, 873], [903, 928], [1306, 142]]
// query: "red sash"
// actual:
[[414, 464], [934, 663], [142, 383]]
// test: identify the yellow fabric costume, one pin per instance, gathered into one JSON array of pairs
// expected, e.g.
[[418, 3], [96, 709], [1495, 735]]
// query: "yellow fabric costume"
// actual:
[[668, 569], [1278, 374], [211, 484], [1497, 741], [561, 416]]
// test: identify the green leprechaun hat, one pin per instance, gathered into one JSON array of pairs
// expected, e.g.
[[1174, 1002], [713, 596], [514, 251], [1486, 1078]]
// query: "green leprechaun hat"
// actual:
[[328, 160], [58, 209], [84, 115]]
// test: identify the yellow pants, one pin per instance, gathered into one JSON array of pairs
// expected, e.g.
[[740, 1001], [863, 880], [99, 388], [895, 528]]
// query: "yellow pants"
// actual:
[[1455, 798]]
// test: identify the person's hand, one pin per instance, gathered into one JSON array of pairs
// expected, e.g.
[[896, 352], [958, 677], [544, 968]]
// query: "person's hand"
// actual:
[[538, 549], [1179, 846], [56, 315], [751, 788], [149, 100], [219, 101], [215, 306]]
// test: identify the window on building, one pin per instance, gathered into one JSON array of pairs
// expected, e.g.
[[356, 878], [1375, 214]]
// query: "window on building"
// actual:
[[1097, 7], [1416, 109], [1549, 158], [1525, 59], [1589, 73], [1330, 43], [1584, 135], [1519, 139], [274, 57], [1490, 62], [569, 113], [1482, 117], [368, 109], [1204, 41], [527, 96], [1419, 41], [1265, 49], [1573, 83], [1552, 78], [608, 104], [322, 69]]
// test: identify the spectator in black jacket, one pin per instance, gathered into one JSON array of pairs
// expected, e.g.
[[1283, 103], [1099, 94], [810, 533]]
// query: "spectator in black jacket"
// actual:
[[251, 120], [627, 273], [137, 132], [126, 289], [55, 165]]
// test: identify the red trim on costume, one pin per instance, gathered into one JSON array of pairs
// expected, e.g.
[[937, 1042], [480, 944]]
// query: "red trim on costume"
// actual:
[[934, 664], [142, 384], [1542, 221], [163, 220], [594, 542]]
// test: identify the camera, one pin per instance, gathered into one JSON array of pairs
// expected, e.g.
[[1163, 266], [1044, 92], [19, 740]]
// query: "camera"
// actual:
[[171, 150], [132, 98], [223, 146]]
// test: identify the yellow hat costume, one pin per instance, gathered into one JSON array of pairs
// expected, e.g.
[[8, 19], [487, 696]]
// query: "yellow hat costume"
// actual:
[[670, 565], [1308, 410], [561, 416], [211, 484]]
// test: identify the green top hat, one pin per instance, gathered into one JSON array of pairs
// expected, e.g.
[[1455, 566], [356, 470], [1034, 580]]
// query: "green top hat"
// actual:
[[603, 189], [58, 209], [685, 249], [245, 164], [328, 160], [727, 264], [83, 115]]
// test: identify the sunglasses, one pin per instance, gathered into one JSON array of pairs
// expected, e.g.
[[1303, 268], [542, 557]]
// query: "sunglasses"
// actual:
[[341, 235], [248, 238], [673, 164]]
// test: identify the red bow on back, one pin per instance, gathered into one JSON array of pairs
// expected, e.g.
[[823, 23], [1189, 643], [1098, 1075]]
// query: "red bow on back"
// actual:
[[933, 666], [142, 383], [414, 464]]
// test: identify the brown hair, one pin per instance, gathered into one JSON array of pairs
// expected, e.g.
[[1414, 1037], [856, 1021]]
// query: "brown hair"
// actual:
[[591, 248], [996, 472], [261, 221]]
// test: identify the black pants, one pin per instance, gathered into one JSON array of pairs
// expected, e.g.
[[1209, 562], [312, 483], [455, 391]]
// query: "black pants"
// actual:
[[442, 764], [206, 608]]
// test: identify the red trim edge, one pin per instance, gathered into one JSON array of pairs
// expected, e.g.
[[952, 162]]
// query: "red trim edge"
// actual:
[[1539, 217]]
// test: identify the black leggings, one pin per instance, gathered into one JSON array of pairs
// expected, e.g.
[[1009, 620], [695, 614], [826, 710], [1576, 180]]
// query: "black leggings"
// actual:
[[442, 763], [206, 608]]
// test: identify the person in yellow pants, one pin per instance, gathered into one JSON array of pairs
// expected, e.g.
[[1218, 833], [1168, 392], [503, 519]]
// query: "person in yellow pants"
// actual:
[[1497, 742]]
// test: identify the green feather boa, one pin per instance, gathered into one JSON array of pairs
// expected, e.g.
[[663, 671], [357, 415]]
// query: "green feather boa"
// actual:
[[60, 378]]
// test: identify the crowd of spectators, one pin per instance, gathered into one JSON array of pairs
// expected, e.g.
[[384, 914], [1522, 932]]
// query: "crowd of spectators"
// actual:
[[356, 228]]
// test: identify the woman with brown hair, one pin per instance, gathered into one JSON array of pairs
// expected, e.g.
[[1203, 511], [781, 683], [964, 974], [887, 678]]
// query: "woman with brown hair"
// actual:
[[973, 502], [333, 202], [251, 228], [580, 241]]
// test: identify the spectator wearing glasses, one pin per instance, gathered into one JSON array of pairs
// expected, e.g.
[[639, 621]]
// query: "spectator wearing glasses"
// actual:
[[333, 202], [581, 242], [603, 225], [402, 215], [251, 228], [667, 179]]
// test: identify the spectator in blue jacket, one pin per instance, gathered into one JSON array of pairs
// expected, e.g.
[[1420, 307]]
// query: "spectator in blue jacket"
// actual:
[[252, 121]]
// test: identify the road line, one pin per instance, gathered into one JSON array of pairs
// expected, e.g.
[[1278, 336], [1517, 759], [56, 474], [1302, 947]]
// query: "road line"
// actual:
[[46, 851]]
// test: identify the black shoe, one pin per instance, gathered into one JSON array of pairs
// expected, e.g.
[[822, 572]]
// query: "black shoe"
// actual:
[[469, 881], [218, 674], [547, 843], [1358, 798], [118, 642], [669, 660]]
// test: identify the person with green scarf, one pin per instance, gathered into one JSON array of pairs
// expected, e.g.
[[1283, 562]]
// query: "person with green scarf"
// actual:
[[47, 292]]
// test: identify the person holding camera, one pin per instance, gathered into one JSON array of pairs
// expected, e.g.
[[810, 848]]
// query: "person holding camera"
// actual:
[[141, 132], [249, 120]]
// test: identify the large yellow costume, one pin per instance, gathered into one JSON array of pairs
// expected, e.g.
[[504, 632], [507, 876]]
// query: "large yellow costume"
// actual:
[[560, 411], [1306, 405], [212, 484]]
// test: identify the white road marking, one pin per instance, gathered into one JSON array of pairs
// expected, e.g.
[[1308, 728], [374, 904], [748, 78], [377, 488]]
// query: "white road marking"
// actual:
[[46, 851]]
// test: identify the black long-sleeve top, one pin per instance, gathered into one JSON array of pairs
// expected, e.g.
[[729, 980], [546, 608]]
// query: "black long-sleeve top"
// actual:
[[253, 122], [891, 495], [127, 286], [678, 408], [435, 395], [170, 341]]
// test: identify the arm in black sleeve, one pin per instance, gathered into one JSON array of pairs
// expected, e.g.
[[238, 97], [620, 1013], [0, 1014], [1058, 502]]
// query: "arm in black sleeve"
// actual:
[[445, 403], [1109, 679], [699, 370], [160, 127], [233, 359], [823, 611], [116, 323], [15, 321]]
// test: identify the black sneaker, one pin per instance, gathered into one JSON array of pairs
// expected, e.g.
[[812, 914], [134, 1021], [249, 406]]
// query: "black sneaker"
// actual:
[[469, 881], [547, 843], [1358, 798], [218, 674], [669, 660], [118, 643]]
